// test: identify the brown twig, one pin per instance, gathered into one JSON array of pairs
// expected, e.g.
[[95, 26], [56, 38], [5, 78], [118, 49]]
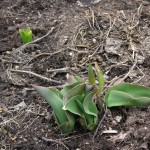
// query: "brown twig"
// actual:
[[28, 126], [35, 74], [128, 73], [51, 54], [59, 70], [100, 123], [75, 50], [55, 141], [44, 54], [111, 23]]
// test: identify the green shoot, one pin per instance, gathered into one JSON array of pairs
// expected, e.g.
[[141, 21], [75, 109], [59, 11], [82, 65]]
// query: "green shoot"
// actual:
[[26, 35]]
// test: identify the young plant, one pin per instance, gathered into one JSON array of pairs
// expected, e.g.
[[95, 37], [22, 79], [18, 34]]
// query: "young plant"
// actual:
[[26, 35], [75, 103]]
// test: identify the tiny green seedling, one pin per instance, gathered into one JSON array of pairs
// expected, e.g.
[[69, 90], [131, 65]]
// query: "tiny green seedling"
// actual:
[[26, 35], [76, 102]]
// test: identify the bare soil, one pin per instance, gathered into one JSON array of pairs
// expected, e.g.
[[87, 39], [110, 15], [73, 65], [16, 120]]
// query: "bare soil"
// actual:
[[113, 33]]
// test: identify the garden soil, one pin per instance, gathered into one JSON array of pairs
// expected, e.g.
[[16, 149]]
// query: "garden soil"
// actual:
[[67, 36]]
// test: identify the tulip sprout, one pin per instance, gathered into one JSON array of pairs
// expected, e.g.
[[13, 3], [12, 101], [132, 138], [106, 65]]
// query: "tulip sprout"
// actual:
[[26, 35], [76, 102]]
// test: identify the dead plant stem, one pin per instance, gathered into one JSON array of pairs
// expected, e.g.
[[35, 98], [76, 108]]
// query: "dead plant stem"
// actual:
[[100, 123], [36, 75], [55, 141]]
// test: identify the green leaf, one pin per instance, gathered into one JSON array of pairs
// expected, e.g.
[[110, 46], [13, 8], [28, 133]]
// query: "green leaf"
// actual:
[[54, 101], [100, 78], [91, 112], [69, 87], [88, 122], [72, 105], [68, 126], [57, 92], [77, 90], [84, 121], [64, 119], [87, 112], [126, 94], [91, 119], [91, 75], [89, 107], [79, 79]]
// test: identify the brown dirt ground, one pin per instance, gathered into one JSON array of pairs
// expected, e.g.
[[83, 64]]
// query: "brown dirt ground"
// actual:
[[114, 33]]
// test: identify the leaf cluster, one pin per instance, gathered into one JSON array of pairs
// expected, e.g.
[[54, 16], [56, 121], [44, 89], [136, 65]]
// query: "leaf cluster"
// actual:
[[76, 102]]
